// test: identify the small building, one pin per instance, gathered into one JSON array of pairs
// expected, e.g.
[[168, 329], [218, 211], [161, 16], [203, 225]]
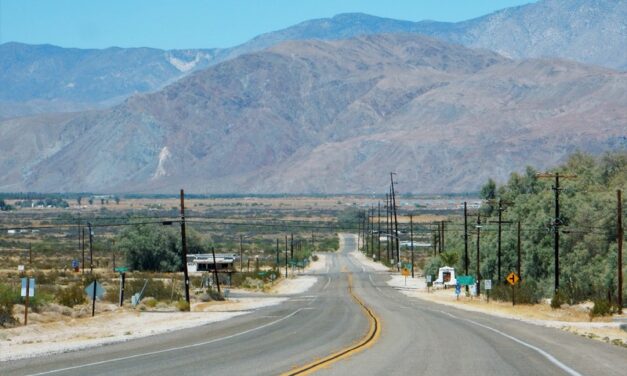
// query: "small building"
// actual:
[[446, 277], [204, 262]]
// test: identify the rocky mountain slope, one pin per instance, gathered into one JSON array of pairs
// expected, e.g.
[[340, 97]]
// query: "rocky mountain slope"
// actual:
[[588, 31], [38, 79], [44, 78], [328, 117]]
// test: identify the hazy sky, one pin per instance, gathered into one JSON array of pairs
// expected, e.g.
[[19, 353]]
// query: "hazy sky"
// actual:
[[200, 24]]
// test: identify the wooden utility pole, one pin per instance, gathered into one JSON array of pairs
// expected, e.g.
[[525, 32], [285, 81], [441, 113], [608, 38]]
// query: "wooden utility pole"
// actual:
[[379, 231], [619, 240], [411, 239], [478, 254], [184, 246], [398, 250], [91, 249], [215, 269], [372, 231], [466, 260], [557, 222], [500, 210], [241, 253], [387, 225], [518, 251], [83, 249], [277, 255], [285, 256]]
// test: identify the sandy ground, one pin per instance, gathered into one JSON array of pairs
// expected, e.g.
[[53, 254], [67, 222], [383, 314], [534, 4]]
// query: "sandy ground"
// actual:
[[113, 324]]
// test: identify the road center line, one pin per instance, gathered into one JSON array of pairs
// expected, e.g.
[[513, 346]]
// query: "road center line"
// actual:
[[170, 349]]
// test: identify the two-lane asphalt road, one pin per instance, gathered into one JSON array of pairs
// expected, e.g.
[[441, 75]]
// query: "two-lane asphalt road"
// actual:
[[416, 337]]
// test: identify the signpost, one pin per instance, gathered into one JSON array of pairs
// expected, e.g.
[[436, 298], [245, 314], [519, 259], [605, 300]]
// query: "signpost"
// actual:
[[466, 280], [28, 290], [95, 290], [428, 282], [122, 270], [458, 290], [405, 272], [513, 279], [487, 285]]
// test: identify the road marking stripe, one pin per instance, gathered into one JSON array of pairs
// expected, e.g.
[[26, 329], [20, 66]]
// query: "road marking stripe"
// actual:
[[548, 356], [170, 349], [368, 340], [327, 284]]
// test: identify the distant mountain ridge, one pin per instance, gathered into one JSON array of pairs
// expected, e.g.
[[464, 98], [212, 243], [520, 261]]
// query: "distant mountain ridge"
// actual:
[[328, 117], [38, 79], [45, 78]]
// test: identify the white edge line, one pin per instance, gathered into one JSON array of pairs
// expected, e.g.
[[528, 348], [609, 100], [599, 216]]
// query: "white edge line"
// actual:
[[327, 284], [550, 357], [170, 349]]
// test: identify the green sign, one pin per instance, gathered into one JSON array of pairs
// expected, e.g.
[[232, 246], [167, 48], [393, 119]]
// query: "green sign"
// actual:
[[465, 280], [121, 269]]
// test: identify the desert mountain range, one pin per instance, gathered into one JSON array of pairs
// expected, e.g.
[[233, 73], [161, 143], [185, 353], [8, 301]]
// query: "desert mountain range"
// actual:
[[325, 106]]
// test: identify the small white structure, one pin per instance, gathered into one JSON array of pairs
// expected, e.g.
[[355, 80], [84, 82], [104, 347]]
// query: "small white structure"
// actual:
[[446, 277], [205, 263]]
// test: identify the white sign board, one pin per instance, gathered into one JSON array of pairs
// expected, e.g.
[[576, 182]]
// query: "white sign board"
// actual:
[[20, 268], [473, 290], [428, 279], [31, 287], [488, 284]]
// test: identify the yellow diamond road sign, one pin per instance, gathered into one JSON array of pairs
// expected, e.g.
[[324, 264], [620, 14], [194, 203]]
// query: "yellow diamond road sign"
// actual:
[[405, 272], [512, 278]]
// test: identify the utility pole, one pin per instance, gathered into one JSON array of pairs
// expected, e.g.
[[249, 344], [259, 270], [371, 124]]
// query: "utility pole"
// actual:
[[313, 242], [379, 231], [500, 210], [241, 253], [411, 239], [285, 256], [184, 246], [557, 222], [619, 240], [91, 249], [398, 251], [292, 246], [372, 231], [277, 254], [387, 225], [518, 251], [466, 261], [83, 248], [442, 237], [358, 233], [215, 270], [478, 254]]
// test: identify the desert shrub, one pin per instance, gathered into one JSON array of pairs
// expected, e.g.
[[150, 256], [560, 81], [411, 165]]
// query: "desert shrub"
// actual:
[[182, 305], [557, 300], [526, 293], [8, 298], [155, 288], [314, 257], [601, 308], [150, 302], [71, 295], [215, 295]]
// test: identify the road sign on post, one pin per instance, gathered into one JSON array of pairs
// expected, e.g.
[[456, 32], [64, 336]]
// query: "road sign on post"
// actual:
[[512, 278], [487, 284]]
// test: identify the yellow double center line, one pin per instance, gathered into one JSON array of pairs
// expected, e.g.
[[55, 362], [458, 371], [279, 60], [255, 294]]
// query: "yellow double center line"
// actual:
[[368, 340]]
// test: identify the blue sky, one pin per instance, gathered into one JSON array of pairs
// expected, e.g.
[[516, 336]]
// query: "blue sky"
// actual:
[[200, 24]]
